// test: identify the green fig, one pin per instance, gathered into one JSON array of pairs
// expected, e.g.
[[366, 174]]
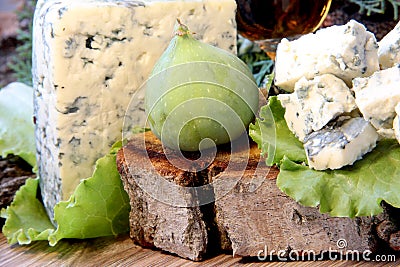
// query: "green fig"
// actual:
[[198, 95]]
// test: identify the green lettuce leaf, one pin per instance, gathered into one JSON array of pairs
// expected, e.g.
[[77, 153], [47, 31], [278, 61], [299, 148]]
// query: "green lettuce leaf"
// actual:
[[26, 218], [273, 136], [16, 122], [98, 207], [352, 191], [356, 190]]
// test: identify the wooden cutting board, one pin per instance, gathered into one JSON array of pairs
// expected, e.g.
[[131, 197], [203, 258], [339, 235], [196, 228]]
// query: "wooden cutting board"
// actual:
[[121, 251]]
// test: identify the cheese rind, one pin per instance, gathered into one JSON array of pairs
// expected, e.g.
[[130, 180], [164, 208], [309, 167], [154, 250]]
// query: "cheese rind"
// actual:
[[341, 144], [316, 102], [377, 96], [89, 60], [389, 48], [347, 51]]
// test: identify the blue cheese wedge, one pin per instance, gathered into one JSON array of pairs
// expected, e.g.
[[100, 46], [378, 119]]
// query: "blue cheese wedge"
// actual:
[[340, 144], [347, 51], [377, 96], [89, 59], [316, 102], [389, 48]]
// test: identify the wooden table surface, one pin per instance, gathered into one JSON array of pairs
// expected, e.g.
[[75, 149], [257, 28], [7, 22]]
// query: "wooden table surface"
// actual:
[[121, 251]]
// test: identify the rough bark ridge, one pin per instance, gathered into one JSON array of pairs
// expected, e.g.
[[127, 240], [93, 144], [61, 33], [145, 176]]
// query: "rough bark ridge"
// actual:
[[247, 214], [163, 217]]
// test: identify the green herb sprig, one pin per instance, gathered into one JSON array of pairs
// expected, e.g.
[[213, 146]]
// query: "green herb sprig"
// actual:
[[377, 6], [21, 63], [256, 59]]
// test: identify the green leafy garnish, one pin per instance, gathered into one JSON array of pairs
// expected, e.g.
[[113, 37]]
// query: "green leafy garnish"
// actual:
[[21, 62], [377, 6], [16, 122], [98, 207], [273, 136], [26, 218], [356, 190], [259, 63]]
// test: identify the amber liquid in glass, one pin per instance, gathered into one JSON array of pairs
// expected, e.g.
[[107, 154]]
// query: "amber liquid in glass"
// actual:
[[273, 19]]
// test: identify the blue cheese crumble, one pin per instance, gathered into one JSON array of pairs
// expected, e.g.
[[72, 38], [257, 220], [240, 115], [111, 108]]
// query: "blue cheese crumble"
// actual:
[[340, 144], [316, 102]]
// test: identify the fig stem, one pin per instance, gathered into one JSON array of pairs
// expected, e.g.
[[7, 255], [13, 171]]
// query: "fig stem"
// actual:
[[182, 29]]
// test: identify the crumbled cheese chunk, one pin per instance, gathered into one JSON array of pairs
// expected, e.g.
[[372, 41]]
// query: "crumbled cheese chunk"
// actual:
[[396, 123], [316, 102], [389, 48], [377, 96], [347, 51], [340, 144]]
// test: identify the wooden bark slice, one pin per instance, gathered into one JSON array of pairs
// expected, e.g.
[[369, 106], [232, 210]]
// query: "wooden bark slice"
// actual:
[[246, 214]]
